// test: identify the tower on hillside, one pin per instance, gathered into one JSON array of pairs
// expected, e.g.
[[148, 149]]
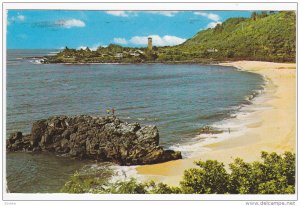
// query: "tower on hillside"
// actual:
[[149, 43]]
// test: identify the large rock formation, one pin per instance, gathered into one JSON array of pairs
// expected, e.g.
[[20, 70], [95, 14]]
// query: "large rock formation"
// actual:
[[98, 138]]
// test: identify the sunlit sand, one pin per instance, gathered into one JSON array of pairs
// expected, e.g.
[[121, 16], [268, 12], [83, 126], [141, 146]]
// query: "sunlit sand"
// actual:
[[274, 129]]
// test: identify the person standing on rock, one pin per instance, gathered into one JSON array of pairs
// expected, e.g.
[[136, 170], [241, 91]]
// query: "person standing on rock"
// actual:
[[113, 111]]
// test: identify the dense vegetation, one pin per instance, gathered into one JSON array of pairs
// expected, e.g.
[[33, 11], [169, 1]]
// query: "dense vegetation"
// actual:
[[111, 54], [266, 36], [275, 174]]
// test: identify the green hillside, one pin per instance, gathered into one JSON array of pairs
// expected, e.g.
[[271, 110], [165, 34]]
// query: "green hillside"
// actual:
[[265, 36]]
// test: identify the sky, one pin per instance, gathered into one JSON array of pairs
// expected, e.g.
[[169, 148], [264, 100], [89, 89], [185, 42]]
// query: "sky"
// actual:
[[55, 29]]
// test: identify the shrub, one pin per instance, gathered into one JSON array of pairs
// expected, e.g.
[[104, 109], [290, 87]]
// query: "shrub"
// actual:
[[210, 178], [275, 174], [88, 180]]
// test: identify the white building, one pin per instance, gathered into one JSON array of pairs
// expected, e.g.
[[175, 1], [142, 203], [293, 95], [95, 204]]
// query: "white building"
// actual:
[[212, 50]]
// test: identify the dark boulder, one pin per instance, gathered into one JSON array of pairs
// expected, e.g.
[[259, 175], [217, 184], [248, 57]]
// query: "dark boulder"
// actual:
[[37, 131], [98, 138]]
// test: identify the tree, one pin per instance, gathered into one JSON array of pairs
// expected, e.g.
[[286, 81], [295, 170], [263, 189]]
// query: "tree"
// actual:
[[254, 15], [155, 48], [263, 14], [210, 178], [230, 54], [274, 175], [88, 49], [218, 28]]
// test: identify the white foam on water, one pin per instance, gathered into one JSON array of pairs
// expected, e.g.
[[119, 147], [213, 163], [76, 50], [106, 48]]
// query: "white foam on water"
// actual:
[[36, 61], [233, 127], [53, 53], [125, 173], [122, 173]]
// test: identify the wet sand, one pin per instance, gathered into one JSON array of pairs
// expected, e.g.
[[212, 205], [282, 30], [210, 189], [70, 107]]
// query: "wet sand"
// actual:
[[274, 128]]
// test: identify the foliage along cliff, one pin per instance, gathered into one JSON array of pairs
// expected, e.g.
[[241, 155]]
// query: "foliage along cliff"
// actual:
[[265, 36]]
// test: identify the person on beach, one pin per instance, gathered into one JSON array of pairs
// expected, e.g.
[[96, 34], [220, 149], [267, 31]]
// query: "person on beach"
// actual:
[[229, 130], [107, 111]]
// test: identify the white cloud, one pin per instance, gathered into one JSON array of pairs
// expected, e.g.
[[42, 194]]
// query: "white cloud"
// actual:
[[210, 16], [70, 23], [120, 13], [213, 24], [157, 40], [82, 47], [164, 13], [216, 18], [18, 18], [21, 18], [120, 41], [93, 48], [128, 13]]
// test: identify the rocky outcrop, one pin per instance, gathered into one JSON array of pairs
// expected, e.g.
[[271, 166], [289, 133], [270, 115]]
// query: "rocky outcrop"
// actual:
[[98, 138], [209, 130]]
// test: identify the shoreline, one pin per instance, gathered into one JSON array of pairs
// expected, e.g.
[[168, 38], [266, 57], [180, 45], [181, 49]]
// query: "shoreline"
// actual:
[[131, 63], [271, 126], [215, 62]]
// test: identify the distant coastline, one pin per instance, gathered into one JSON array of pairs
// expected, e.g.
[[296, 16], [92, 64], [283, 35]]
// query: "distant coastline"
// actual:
[[223, 43], [206, 62]]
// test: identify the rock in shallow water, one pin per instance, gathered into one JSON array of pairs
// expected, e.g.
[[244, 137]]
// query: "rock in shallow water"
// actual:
[[98, 138]]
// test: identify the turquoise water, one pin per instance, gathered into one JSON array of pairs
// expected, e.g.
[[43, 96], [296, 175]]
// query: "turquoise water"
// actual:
[[179, 99]]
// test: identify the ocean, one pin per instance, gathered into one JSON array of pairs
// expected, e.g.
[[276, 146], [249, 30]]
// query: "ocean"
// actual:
[[180, 99]]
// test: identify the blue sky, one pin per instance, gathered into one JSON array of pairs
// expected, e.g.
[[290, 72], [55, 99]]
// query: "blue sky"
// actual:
[[53, 29]]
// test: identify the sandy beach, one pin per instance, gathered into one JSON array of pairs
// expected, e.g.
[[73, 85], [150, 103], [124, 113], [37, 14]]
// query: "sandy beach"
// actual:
[[272, 127]]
